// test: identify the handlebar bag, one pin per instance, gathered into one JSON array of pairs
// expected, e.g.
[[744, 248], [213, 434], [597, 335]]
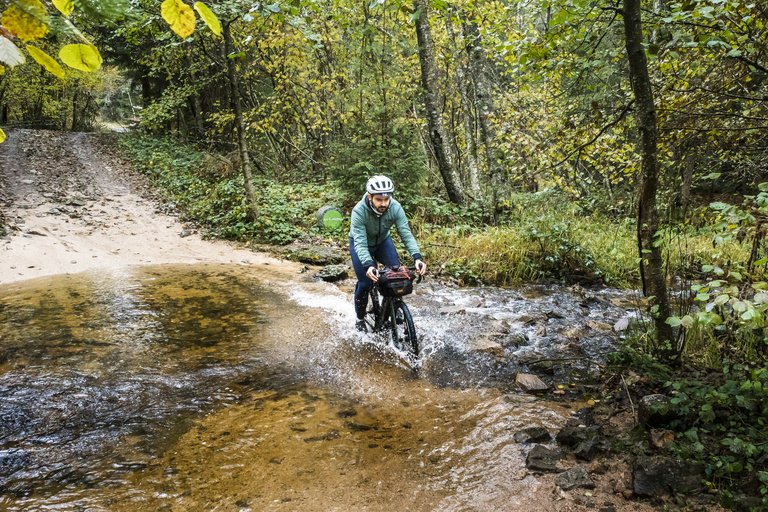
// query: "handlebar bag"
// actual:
[[396, 282]]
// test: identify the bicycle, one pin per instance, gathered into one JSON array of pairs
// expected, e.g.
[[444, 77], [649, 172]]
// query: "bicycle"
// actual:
[[388, 311]]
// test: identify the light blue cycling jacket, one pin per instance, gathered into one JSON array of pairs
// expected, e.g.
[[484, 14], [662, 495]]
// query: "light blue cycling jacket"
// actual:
[[367, 229]]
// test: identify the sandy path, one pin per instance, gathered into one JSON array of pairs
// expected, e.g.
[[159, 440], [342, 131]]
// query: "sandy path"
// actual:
[[74, 206]]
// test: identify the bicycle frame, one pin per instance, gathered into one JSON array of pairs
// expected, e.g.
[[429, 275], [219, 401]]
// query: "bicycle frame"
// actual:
[[383, 315]]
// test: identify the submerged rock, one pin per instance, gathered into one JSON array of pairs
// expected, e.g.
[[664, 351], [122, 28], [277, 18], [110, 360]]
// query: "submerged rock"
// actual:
[[485, 346], [530, 383], [575, 478]]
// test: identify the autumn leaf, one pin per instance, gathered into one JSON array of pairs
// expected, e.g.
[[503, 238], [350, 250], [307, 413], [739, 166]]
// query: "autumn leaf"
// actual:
[[65, 6], [2, 136], [27, 24], [209, 18], [9, 53], [179, 16], [46, 61], [84, 57]]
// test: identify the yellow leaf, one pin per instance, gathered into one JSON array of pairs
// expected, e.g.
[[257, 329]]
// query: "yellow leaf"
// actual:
[[2, 136], [26, 25], [65, 6], [84, 57], [179, 16], [46, 61], [209, 18]]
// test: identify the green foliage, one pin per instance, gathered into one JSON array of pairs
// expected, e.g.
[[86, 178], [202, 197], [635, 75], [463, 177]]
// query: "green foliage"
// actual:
[[286, 212], [396, 155], [628, 357], [729, 433], [733, 302]]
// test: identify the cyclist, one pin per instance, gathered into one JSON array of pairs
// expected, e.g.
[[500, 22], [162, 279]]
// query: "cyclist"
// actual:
[[372, 220]]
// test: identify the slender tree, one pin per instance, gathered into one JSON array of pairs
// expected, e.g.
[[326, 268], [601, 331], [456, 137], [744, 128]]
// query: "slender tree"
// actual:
[[237, 107], [651, 261], [437, 135]]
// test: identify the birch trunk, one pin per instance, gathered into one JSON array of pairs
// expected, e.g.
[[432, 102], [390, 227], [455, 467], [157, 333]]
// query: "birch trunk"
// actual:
[[484, 98], [437, 135], [464, 87]]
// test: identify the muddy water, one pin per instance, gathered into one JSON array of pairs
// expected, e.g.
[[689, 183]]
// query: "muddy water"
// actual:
[[219, 387]]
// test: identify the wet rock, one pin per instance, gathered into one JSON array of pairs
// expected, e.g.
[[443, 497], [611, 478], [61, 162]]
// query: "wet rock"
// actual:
[[575, 478], [346, 413], [542, 459], [588, 450], [314, 254], [485, 346], [656, 476], [656, 411], [333, 273], [599, 326], [526, 319], [544, 367], [541, 330], [574, 333], [515, 340], [573, 436], [533, 435], [554, 314], [452, 310], [356, 427], [530, 383], [330, 436], [530, 357]]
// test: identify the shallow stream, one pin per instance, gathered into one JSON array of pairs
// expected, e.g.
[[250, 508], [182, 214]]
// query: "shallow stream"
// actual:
[[227, 387]]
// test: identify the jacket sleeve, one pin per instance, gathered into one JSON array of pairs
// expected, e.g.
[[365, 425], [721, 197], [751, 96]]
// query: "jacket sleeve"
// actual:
[[401, 221], [360, 236]]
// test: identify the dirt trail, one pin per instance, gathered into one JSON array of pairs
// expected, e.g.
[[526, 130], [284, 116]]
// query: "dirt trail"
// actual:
[[74, 205]]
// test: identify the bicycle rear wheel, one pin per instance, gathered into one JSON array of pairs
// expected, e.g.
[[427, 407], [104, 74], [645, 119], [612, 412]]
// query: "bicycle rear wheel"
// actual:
[[403, 331]]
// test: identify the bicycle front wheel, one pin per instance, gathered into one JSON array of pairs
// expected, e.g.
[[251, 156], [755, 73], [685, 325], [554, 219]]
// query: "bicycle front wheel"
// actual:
[[403, 331], [374, 309]]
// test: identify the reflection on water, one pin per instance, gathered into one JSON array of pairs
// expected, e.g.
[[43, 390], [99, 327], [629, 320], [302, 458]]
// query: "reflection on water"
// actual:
[[207, 387]]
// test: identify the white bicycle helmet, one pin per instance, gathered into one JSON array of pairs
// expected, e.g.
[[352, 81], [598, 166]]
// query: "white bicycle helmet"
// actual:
[[380, 185]]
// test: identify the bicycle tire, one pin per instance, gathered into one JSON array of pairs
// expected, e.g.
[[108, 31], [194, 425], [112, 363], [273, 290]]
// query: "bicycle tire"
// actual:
[[374, 308], [406, 341]]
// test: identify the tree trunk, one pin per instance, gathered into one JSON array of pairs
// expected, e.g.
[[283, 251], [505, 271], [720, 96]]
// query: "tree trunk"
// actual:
[[651, 261], [465, 89], [234, 95], [75, 108], [689, 165], [434, 115], [485, 108]]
